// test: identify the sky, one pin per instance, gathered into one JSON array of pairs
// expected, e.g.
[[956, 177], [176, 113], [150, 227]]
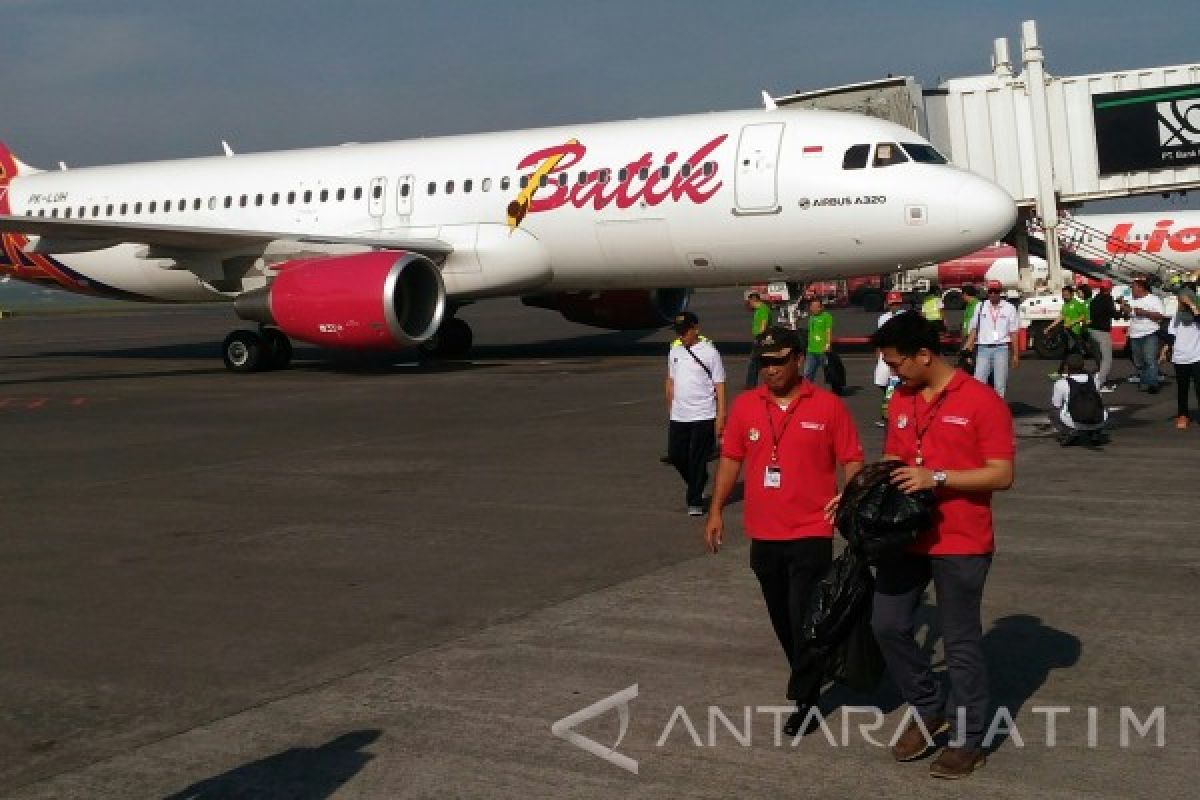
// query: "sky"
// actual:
[[107, 81]]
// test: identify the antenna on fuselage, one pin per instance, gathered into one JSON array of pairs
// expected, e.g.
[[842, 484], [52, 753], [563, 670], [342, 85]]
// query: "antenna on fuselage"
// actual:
[[228, 150], [768, 101]]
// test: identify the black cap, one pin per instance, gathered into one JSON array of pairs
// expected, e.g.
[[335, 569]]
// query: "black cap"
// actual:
[[684, 321], [776, 341]]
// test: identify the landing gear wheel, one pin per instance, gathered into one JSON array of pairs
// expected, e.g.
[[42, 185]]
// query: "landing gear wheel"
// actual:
[[452, 340], [278, 349], [243, 351]]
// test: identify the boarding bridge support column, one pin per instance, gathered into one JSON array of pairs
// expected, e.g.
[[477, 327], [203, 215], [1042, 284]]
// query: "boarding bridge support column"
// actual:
[[1021, 243], [1047, 203]]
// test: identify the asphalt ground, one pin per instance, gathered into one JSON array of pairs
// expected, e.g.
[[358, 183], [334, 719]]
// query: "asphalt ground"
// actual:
[[365, 578]]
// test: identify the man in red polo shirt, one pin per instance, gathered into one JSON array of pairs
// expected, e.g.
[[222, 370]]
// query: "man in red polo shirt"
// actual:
[[790, 436], [956, 436]]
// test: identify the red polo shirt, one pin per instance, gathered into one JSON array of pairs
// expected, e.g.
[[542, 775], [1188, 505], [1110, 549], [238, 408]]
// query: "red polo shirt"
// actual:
[[815, 434], [964, 425]]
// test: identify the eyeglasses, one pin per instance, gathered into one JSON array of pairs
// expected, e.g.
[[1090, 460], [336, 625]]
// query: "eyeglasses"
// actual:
[[774, 361]]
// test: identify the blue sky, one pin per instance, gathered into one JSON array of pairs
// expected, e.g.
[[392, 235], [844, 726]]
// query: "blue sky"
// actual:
[[116, 80]]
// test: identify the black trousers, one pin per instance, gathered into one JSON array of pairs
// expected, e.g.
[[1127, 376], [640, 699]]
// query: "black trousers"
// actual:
[[1185, 375], [959, 582], [689, 444], [786, 571]]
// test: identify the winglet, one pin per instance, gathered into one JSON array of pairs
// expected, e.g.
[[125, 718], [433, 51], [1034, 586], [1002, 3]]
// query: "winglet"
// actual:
[[768, 101], [228, 150]]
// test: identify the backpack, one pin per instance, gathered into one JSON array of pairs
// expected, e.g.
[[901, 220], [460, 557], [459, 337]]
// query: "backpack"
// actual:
[[1084, 402], [835, 372]]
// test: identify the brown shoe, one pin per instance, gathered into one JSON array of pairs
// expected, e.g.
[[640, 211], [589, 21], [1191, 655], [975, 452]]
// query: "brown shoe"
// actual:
[[957, 762], [913, 744]]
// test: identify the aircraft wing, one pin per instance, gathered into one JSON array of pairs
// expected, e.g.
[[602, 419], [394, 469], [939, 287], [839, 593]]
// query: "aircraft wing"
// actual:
[[83, 234]]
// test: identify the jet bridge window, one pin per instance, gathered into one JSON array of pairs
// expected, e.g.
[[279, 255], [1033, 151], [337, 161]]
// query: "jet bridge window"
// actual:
[[888, 154], [923, 153], [856, 156]]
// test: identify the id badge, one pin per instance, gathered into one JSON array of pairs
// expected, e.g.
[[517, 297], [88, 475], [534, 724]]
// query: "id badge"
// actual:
[[772, 477]]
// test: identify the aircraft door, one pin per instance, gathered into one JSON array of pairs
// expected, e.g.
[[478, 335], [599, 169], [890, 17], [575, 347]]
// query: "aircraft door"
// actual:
[[376, 199], [757, 159]]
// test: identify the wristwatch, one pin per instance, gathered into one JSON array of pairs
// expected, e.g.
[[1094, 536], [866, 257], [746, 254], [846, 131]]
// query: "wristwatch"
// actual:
[[939, 479]]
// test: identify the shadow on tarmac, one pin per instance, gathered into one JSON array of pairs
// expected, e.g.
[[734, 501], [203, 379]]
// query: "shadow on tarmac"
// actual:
[[301, 773]]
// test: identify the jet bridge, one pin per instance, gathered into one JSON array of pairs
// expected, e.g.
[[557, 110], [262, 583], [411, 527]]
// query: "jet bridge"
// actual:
[[1052, 142]]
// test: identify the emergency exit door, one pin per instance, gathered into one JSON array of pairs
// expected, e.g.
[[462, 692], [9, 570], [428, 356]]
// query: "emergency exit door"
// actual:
[[757, 159]]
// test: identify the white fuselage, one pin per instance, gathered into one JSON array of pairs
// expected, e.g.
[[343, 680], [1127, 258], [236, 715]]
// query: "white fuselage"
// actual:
[[1146, 240], [704, 200]]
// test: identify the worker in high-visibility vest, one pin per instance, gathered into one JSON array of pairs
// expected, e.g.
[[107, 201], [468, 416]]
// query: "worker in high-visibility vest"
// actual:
[[931, 310]]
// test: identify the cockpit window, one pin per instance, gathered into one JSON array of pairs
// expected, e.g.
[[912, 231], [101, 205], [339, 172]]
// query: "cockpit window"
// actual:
[[887, 154], [856, 156], [923, 153]]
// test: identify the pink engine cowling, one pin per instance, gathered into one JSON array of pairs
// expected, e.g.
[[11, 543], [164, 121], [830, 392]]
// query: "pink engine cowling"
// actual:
[[365, 301]]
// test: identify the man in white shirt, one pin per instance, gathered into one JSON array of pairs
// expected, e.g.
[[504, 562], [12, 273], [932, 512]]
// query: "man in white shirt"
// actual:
[[696, 404], [993, 336], [1145, 312], [1069, 428], [1185, 355]]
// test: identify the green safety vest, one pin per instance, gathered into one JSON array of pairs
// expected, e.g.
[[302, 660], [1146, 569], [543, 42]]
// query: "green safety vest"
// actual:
[[931, 309]]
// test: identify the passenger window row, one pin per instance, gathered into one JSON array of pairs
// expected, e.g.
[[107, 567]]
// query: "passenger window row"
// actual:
[[563, 179], [107, 210]]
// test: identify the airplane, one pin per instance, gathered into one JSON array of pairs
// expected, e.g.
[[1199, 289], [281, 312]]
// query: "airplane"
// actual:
[[1149, 241], [377, 246]]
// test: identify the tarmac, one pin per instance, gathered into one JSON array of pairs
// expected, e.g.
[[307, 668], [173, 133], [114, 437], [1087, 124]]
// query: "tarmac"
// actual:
[[377, 578]]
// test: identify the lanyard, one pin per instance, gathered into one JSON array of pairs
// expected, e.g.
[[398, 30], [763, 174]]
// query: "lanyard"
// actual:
[[995, 316], [920, 431], [776, 438]]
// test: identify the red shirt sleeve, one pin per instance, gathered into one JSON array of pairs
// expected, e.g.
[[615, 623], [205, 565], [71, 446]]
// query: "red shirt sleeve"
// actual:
[[847, 446], [733, 439], [997, 439]]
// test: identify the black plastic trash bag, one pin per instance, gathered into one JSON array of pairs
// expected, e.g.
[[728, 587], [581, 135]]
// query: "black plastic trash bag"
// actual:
[[835, 372], [837, 601], [877, 519], [857, 662]]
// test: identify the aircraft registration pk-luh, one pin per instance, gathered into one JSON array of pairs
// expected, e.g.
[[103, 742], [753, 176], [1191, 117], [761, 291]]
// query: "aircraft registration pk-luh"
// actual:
[[376, 246]]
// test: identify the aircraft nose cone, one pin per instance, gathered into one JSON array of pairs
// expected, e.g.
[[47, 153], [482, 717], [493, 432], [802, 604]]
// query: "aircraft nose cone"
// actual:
[[984, 211]]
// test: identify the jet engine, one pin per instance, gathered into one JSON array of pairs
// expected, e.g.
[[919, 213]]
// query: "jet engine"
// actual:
[[365, 301], [619, 310]]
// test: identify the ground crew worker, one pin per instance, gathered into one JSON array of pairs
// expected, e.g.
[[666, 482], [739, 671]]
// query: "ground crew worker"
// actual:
[[1102, 310], [994, 338], [820, 339], [695, 390], [931, 309], [1074, 319], [758, 323], [788, 437], [956, 437], [1146, 311], [972, 300], [884, 378]]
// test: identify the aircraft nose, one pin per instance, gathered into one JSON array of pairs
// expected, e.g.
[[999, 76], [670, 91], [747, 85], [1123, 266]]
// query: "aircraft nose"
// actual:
[[984, 211]]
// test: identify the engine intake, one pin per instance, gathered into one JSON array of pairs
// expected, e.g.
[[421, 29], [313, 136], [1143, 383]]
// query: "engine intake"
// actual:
[[366, 301]]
